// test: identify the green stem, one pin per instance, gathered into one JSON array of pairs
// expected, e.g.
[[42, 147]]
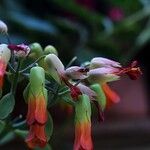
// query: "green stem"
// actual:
[[71, 62], [11, 68], [63, 93], [15, 80], [31, 65]]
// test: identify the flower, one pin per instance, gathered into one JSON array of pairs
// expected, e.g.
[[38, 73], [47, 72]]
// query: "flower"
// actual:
[[5, 55], [20, 50], [83, 139], [111, 96], [103, 70], [37, 108], [36, 136], [73, 72]]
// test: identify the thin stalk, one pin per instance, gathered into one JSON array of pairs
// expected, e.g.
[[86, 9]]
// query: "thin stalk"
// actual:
[[71, 61], [15, 80], [31, 65]]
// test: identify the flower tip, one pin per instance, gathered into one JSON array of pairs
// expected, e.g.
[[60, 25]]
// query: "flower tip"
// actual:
[[20, 50], [133, 71], [3, 27], [99, 62], [53, 61], [49, 49]]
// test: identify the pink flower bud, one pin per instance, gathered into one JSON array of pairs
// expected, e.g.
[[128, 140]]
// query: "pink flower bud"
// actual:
[[103, 75], [98, 62], [76, 72], [53, 61]]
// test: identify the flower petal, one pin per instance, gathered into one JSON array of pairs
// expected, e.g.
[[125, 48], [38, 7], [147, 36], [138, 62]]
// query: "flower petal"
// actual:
[[41, 110], [76, 72], [53, 61], [86, 90], [102, 75], [98, 62], [112, 96]]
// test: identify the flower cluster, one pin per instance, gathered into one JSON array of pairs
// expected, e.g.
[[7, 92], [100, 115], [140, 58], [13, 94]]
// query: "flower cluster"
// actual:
[[89, 84], [82, 85]]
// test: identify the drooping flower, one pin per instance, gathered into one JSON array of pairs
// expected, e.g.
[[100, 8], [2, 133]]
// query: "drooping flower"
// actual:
[[103, 70], [5, 55], [109, 70], [37, 108], [83, 139], [36, 136]]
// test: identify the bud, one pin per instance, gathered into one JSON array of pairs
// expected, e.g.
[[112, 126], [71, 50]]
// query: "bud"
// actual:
[[5, 55], [36, 50], [3, 27], [20, 50], [76, 72], [103, 75], [99, 62], [50, 50], [54, 62]]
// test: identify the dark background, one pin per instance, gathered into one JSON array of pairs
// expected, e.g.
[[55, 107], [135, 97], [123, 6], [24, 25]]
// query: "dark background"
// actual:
[[115, 29]]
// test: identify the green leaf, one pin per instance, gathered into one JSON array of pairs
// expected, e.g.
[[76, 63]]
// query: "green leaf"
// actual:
[[47, 147], [7, 104], [21, 133], [49, 127], [2, 125]]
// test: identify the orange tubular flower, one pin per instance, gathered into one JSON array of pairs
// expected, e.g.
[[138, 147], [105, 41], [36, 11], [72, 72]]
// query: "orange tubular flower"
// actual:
[[37, 112], [36, 136], [4, 58], [111, 96], [83, 140]]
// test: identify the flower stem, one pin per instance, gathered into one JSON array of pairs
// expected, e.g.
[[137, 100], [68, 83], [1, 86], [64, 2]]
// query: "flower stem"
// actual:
[[31, 65], [71, 61], [15, 80]]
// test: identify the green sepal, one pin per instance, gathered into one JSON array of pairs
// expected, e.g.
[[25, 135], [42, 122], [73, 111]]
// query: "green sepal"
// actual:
[[101, 98], [7, 104], [37, 79], [83, 109]]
